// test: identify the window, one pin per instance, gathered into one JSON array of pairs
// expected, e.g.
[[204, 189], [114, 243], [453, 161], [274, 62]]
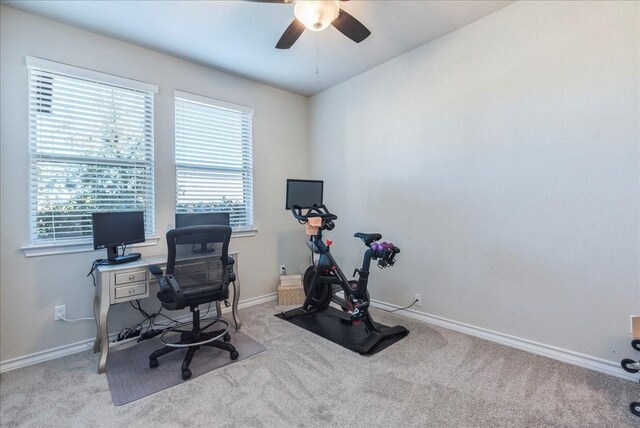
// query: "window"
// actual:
[[214, 171], [91, 149]]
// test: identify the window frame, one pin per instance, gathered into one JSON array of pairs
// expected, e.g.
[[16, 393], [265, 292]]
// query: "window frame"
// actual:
[[239, 231], [39, 247]]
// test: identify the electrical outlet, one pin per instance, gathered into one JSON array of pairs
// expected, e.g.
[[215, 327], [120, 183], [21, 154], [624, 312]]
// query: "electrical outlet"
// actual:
[[60, 312], [283, 270], [418, 297]]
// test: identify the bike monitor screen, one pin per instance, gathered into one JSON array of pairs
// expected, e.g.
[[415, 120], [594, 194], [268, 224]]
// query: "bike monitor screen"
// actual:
[[304, 193]]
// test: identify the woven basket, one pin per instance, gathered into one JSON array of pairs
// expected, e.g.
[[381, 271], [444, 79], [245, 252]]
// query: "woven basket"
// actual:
[[289, 295], [290, 291]]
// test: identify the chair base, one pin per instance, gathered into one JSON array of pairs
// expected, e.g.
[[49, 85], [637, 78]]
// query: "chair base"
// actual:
[[193, 340], [189, 338]]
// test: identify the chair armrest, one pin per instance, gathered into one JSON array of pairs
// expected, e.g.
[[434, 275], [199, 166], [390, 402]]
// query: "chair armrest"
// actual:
[[232, 275], [169, 287], [157, 272], [176, 292], [228, 276]]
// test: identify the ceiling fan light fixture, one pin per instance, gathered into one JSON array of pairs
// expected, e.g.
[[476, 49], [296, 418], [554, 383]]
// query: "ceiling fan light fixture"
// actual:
[[316, 15]]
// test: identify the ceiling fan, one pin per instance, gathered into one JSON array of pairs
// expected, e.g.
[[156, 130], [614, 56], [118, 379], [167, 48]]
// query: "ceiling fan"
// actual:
[[316, 15]]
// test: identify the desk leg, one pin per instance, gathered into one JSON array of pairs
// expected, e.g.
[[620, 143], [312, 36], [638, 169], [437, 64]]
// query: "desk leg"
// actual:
[[236, 295], [218, 309], [103, 335], [234, 305], [98, 342]]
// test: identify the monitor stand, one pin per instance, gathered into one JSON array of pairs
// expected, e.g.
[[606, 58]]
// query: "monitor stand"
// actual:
[[114, 258], [131, 257]]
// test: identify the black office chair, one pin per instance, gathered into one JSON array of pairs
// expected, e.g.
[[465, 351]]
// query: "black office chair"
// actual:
[[178, 291]]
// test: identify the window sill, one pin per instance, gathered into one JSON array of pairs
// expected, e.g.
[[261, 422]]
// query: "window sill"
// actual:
[[86, 246], [75, 247], [244, 233]]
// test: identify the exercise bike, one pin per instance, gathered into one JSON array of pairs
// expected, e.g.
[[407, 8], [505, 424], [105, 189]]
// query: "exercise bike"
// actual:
[[323, 281]]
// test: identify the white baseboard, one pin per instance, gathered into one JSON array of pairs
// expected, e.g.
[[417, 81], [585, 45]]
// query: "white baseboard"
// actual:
[[83, 345], [42, 356], [256, 301], [564, 355]]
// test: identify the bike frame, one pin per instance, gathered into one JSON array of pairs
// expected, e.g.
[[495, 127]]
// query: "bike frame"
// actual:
[[336, 276], [332, 266]]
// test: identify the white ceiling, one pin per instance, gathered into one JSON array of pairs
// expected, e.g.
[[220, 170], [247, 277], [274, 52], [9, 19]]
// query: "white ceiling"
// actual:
[[239, 36]]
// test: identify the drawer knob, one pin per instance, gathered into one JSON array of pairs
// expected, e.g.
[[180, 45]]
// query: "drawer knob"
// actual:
[[132, 276], [131, 291]]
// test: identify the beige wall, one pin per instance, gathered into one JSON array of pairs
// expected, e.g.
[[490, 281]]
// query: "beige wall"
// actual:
[[31, 287], [503, 160]]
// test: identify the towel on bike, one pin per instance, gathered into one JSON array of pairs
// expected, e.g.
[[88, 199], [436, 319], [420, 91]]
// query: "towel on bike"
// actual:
[[312, 225]]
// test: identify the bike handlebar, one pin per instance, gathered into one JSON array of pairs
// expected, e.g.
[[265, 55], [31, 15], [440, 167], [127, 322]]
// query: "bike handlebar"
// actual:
[[384, 252], [320, 211]]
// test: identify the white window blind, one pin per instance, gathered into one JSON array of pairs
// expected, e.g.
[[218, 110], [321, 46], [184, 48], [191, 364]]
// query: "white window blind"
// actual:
[[91, 149], [214, 169]]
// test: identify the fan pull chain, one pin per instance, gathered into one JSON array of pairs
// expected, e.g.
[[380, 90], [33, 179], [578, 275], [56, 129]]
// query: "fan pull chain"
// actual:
[[317, 56]]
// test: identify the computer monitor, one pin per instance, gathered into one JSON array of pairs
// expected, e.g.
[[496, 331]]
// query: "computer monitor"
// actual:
[[199, 219], [115, 229], [304, 193]]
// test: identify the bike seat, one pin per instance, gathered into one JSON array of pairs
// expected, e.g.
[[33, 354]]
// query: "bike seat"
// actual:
[[368, 238]]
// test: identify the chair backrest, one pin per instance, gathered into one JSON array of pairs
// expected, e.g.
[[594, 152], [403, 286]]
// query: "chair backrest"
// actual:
[[217, 236]]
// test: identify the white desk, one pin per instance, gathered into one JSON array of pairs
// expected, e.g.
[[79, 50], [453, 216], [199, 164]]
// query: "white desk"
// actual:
[[131, 281]]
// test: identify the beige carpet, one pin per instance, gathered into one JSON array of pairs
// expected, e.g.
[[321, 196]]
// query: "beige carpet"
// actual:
[[433, 377]]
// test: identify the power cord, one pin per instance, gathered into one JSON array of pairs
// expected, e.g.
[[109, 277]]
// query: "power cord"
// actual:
[[94, 266], [151, 318], [399, 309], [150, 331], [143, 333], [129, 333]]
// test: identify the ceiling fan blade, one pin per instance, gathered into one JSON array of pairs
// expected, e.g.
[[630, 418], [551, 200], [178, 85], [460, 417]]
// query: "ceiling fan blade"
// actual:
[[350, 27], [290, 35], [276, 1]]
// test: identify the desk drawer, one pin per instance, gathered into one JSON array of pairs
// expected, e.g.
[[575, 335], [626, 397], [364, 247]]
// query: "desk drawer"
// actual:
[[131, 290], [129, 277]]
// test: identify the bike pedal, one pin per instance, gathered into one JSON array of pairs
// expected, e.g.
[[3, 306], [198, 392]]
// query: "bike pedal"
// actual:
[[359, 311]]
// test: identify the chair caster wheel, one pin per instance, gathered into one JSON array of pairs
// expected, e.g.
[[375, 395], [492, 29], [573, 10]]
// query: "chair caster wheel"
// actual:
[[635, 344], [626, 365], [235, 355], [186, 374], [226, 337], [635, 408], [153, 363]]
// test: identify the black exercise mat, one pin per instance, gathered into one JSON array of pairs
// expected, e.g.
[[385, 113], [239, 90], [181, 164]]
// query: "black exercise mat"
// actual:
[[130, 377], [330, 324]]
